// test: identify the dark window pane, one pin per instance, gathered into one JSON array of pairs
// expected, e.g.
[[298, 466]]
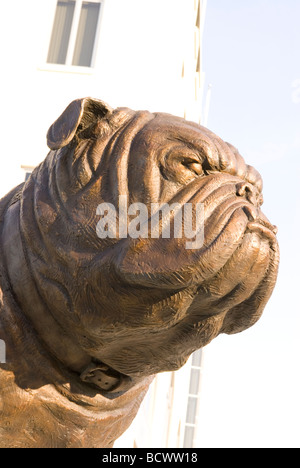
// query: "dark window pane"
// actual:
[[2, 352], [86, 34], [196, 360], [191, 410], [194, 381], [188, 437], [61, 32]]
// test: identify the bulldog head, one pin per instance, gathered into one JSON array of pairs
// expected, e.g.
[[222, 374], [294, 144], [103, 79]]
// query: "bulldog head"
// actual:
[[142, 305]]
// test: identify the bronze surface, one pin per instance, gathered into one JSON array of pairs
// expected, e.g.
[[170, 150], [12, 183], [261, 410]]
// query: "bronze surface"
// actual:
[[88, 322]]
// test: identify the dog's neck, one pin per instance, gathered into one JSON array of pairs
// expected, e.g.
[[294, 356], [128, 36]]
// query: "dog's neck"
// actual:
[[57, 341]]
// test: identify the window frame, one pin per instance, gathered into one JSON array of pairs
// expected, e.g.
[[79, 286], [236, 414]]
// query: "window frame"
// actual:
[[68, 66], [27, 171]]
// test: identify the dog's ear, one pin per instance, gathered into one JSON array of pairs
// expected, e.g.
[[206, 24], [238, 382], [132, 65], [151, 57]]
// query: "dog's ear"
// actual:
[[80, 114]]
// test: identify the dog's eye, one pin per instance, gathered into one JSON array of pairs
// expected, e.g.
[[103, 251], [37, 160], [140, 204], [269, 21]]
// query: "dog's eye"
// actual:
[[193, 165]]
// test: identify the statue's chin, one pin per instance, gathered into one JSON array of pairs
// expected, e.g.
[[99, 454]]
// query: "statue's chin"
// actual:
[[230, 301], [177, 300], [229, 281]]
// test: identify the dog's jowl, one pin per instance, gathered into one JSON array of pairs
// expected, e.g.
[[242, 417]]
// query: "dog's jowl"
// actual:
[[88, 320]]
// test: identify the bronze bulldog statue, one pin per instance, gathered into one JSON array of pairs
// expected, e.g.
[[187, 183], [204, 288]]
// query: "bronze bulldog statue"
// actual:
[[87, 321]]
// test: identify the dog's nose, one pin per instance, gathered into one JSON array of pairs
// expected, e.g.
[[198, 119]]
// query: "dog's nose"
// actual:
[[250, 192]]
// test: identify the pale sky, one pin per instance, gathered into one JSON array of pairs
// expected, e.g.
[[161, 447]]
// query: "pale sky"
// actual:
[[251, 384]]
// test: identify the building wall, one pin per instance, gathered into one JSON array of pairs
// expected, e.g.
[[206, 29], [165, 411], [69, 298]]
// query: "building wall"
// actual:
[[138, 64], [147, 57]]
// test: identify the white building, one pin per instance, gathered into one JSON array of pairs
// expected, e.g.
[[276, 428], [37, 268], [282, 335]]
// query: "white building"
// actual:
[[139, 54]]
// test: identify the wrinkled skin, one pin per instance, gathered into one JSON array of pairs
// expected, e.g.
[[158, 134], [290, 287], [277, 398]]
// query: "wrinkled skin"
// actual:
[[128, 308]]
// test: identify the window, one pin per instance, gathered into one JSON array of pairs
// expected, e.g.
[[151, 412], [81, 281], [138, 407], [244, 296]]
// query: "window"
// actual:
[[193, 400], [74, 32], [27, 171]]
